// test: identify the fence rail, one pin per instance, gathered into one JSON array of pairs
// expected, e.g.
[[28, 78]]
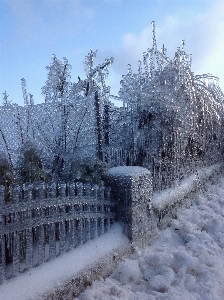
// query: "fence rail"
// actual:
[[42, 221]]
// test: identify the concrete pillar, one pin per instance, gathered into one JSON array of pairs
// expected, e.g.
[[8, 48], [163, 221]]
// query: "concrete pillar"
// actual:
[[131, 189]]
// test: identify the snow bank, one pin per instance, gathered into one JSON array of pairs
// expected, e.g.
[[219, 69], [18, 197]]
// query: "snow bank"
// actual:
[[51, 275], [186, 262], [127, 170]]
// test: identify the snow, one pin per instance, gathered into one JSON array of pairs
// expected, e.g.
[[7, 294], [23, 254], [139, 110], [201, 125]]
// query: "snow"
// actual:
[[127, 170], [185, 262], [43, 279]]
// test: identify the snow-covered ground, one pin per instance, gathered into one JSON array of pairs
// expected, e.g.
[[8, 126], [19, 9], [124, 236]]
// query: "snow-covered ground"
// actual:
[[185, 262]]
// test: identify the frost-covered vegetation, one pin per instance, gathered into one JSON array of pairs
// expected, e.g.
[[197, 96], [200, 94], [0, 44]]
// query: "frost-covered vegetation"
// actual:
[[171, 121], [30, 168]]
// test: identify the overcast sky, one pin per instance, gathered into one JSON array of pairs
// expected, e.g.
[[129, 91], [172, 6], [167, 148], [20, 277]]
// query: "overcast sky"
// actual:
[[32, 30]]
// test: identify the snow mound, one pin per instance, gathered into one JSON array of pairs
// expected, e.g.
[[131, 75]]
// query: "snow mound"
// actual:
[[127, 272]]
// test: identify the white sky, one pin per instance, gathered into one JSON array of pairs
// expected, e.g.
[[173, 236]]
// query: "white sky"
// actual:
[[32, 30]]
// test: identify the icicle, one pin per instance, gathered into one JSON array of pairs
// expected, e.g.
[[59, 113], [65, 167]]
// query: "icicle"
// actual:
[[102, 229], [52, 241], [81, 230], [72, 228], [95, 227], [62, 236], [29, 248]]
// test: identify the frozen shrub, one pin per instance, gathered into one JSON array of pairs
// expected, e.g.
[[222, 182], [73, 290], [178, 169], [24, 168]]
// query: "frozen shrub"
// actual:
[[30, 167], [87, 170], [6, 174]]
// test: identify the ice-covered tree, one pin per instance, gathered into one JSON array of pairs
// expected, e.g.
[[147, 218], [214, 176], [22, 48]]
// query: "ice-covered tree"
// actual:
[[57, 86]]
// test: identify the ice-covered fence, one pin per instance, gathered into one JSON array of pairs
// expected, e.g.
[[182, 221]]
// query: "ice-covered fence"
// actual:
[[143, 211], [40, 222], [167, 202]]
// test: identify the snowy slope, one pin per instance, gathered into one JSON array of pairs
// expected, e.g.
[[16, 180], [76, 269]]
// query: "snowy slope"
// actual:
[[186, 262]]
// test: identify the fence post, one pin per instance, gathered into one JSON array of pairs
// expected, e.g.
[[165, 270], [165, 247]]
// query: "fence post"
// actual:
[[41, 190], [62, 190], [41, 244], [101, 192], [51, 190], [80, 229], [52, 241], [62, 237], [107, 193], [28, 191], [94, 191], [15, 254], [79, 188], [2, 259], [71, 190], [87, 189], [14, 193], [2, 237], [131, 189], [2, 198]]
